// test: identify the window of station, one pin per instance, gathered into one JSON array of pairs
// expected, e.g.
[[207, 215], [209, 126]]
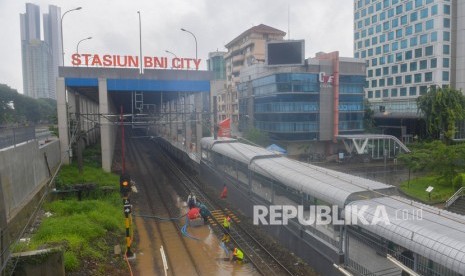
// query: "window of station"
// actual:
[[398, 80], [377, 94], [429, 24], [446, 36], [446, 23], [403, 92], [423, 89], [385, 71], [417, 78], [391, 13], [408, 31], [378, 72], [385, 93], [408, 6], [446, 49], [394, 92], [413, 41], [423, 64], [423, 39], [394, 69], [445, 75], [446, 9], [413, 66], [412, 91], [434, 10], [408, 79], [408, 55], [445, 62], [413, 17], [390, 81], [390, 36], [429, 51], [403, 44], [433, 63], [403, 20], [424, 13]]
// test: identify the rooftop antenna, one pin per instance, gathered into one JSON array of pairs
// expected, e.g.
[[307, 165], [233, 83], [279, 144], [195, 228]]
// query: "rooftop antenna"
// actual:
[[288, 24]]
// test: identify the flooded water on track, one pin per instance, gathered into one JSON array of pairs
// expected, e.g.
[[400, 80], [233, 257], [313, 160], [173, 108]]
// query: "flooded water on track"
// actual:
[[210, 257]]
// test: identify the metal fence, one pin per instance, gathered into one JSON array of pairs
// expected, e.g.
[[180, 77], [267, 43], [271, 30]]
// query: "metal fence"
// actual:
[[13, 136]]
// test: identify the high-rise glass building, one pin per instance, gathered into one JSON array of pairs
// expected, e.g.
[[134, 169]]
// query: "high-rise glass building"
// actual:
[[409, 45], [40, 58], [216, 64], [297, 104]]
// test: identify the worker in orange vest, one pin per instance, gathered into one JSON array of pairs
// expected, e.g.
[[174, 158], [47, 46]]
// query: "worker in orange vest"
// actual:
[[224, 193]]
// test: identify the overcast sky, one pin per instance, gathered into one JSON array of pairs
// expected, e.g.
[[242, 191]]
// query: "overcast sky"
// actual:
[[326, 25]]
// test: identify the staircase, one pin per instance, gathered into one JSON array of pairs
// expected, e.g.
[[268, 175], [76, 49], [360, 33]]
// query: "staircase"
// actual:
[[458, 206]]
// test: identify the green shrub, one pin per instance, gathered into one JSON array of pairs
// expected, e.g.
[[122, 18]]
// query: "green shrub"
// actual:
[[458, 182], [72, 262]]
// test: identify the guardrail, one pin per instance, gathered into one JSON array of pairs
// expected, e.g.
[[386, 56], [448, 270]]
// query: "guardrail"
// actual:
[[13, 136], [457, 195]]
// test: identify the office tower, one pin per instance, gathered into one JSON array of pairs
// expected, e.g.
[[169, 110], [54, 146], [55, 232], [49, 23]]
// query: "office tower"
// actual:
[[216, 64], [40, 58], [408, 47]]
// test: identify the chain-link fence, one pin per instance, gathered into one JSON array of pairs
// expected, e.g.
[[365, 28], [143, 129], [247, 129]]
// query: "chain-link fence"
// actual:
[[13, 136]]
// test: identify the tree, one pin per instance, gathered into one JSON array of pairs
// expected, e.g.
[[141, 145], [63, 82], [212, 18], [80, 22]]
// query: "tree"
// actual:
[[441, 109], [17, 108], [445, 161], [257, 137], [368, 117]]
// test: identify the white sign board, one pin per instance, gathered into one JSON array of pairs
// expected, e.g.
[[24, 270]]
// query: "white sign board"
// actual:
[[429, 189]]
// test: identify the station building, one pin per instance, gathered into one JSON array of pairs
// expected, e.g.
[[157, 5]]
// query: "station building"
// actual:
[[297, 104]]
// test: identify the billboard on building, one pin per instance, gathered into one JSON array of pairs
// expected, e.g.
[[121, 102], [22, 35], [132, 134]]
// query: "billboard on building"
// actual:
[[224, 129], [285, 52]]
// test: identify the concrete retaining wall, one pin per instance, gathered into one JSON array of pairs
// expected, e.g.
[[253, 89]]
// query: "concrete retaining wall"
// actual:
[[23, 171]]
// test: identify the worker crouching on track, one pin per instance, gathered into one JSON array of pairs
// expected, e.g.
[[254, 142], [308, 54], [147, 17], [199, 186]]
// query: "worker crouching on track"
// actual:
[[226, 224], [204, 212], [193, 213], [237, 255]]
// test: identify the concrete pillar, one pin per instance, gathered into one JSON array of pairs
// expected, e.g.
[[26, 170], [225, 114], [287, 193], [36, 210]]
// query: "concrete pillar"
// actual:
[[62, 120], [188, 122], [105, 127], [199, 120]]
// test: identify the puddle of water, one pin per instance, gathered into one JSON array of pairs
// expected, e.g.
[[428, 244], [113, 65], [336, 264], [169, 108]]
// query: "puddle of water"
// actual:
[[210, 256]]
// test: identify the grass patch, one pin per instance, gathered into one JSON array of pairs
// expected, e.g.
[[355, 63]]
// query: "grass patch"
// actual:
[[417, 189], [87, 230], [69, 175], [80, 228]]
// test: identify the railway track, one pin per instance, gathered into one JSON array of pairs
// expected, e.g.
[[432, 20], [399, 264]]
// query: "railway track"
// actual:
[[167, 234], [255, 252]]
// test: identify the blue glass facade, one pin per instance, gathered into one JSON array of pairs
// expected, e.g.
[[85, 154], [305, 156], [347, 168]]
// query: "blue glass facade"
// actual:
[[287, 105], [351, 107]]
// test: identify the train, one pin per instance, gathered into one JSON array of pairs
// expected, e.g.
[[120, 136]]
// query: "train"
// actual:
[[412, 237]]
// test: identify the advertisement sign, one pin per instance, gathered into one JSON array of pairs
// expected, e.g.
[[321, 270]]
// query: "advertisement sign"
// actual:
[[128, 61]]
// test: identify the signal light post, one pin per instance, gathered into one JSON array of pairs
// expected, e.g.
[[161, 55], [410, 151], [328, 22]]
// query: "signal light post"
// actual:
[[125, 190]]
